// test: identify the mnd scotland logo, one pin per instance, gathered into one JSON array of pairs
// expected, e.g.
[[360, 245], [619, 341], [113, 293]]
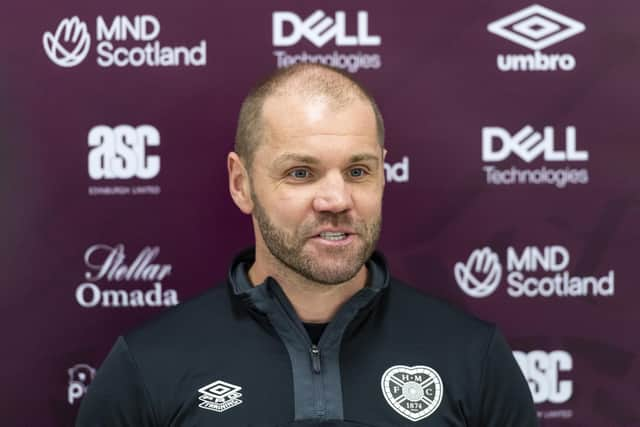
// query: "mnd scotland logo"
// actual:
[[527, 144], [318, 29], [121, 42], [481, 274], [69, 45], [536, 27], [532, 272]]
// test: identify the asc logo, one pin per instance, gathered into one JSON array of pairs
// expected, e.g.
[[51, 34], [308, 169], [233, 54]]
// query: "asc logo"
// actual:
[[414, 392], [542, 371], [121, 152], [319, 28]]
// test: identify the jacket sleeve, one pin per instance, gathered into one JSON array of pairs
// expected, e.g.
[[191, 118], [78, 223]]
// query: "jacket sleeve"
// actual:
[[117, 396], [505, 397]]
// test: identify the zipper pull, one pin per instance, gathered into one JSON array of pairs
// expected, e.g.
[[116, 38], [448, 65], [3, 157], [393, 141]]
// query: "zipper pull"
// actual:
[[315, 359]]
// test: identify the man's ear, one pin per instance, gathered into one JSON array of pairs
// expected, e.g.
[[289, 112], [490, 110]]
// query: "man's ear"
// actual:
[[239, 185]]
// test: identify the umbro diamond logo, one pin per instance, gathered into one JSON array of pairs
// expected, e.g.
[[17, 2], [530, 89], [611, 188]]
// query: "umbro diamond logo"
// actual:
[[536, 27], [414, 392], [219, 396]]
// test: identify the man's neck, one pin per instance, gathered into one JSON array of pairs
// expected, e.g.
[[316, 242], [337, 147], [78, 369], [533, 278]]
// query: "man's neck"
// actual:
[[313, 302]]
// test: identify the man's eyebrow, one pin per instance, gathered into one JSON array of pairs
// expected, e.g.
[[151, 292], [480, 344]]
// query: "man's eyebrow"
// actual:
[[363, 158], [298, 158], [310, 160]]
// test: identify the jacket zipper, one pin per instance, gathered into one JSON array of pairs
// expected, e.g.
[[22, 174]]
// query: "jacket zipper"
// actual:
[[316, 365], [315, 359]]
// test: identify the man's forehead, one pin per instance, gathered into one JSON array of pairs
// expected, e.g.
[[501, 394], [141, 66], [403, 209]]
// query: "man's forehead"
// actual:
[[319, 115]]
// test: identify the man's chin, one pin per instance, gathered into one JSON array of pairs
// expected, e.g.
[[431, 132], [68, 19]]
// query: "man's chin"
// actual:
[[332, 277], [333, 268]]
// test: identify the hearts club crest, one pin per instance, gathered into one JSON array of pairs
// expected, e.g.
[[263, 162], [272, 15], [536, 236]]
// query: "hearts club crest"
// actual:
[[415, 392]]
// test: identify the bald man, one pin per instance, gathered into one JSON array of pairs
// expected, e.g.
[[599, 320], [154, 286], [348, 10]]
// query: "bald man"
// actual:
[[310, 329]]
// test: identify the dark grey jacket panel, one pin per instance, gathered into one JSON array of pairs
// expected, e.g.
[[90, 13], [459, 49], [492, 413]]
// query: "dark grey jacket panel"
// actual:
[[315, 369]]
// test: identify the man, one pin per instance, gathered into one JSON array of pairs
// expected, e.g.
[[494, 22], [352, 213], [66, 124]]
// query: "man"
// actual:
[[310, 329]]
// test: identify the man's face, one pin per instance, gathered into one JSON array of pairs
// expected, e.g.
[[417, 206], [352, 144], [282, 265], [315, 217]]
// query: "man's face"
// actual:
[[316, 185]]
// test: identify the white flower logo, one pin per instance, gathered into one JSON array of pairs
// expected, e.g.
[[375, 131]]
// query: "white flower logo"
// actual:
[[73, 32], [480, 276]]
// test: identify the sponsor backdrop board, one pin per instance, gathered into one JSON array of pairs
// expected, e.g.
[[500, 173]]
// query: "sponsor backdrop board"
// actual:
[[512, 175]]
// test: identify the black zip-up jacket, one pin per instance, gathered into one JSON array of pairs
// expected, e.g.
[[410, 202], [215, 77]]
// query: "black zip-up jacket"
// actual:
[[239, 356]]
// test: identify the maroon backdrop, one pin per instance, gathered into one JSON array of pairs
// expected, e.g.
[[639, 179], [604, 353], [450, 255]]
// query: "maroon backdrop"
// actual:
[[513, 180]]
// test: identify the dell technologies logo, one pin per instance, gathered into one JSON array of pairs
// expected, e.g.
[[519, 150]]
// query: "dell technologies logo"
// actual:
[[536, 28], [552, 145], [528, 144], [319, 29]]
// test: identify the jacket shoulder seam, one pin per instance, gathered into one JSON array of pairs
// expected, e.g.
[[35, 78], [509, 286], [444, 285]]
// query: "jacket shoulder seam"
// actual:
[[138, 373], [483, 374]]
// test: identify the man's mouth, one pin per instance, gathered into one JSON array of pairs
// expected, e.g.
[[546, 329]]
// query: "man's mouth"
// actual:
[[333, 235]]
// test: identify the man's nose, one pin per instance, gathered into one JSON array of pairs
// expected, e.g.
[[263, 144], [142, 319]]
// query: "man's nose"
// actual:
[[333, 194]]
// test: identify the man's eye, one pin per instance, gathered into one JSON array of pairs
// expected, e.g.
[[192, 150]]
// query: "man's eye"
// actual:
[[299, 173], [357, 172]]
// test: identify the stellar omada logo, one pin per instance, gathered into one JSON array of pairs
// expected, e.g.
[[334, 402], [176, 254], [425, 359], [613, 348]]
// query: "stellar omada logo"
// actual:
[[536, 27], [113, 278]]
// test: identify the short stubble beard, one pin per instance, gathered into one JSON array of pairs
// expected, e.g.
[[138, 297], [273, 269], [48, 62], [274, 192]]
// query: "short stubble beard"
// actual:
[[288, 249]]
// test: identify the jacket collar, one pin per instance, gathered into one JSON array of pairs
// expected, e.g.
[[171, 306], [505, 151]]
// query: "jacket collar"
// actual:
[[258, 296]]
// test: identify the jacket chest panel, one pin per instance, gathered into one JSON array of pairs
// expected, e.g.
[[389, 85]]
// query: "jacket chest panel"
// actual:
[[248, 382], [391, 383], [261, 394]]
